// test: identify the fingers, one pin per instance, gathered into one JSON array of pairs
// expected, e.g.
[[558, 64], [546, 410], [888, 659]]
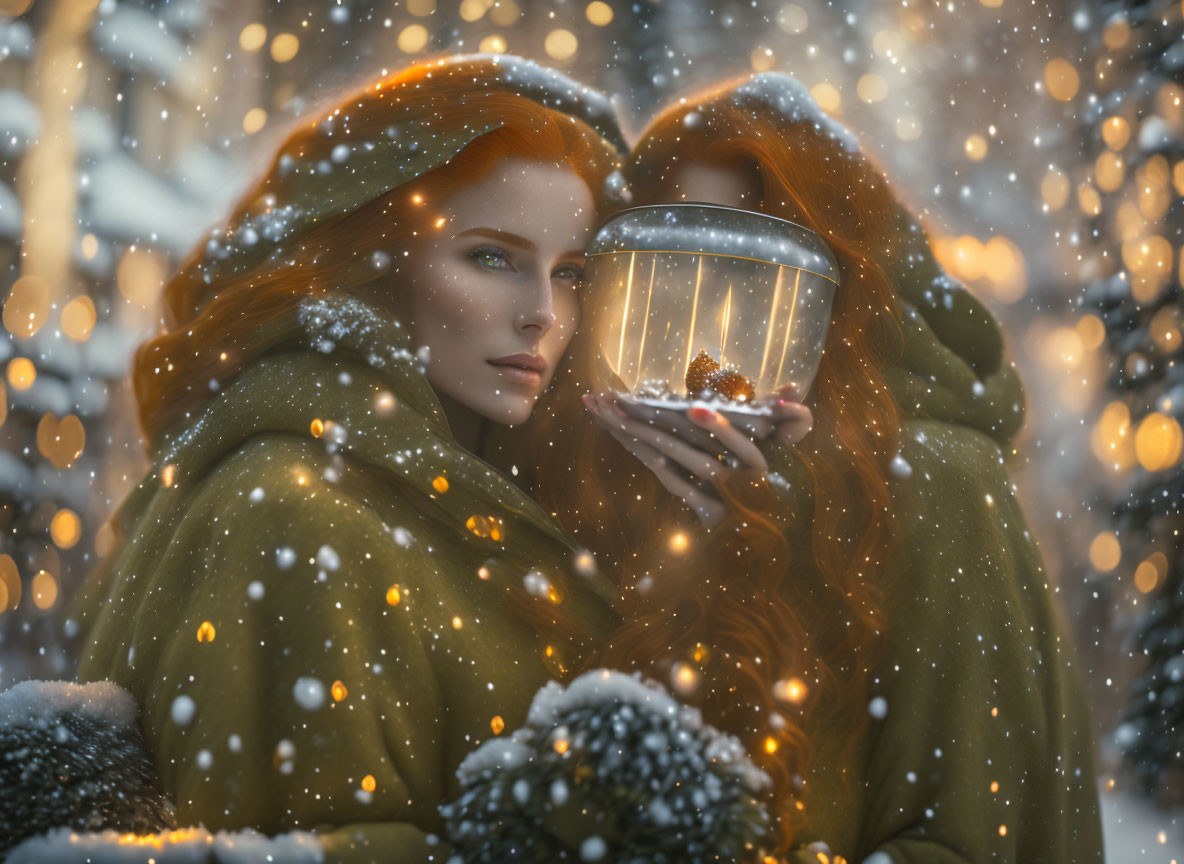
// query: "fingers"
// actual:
[[708, 509], [698, 463], [735, 441]]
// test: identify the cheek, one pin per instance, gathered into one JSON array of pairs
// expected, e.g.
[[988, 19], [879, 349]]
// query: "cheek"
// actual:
[[451, 301]]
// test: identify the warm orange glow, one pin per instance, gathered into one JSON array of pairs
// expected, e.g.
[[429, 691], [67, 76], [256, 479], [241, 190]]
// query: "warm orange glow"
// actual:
[[599, 13], [252, 37], [1054, 189], [440, 484], [770, 745], [994, 785], [1111, 439], [61, 442], [412, 38], [21, 373], [497, 724], [65, 528], [792, 690], [1002, 830], [205, 632], [456, 622], [1146, 577], [1105, 552], [1091, 331], [27, 308], [369, 784], [1109, 171], [561, 44], [317, 427], [1061, 79], [561, 745], [1116, 132], [393, 595], [78, 319], [827, 96], [284, 47], [45, 589], [975, 147], [1158, 441], [168, 474], [338, 691], [679, 543]]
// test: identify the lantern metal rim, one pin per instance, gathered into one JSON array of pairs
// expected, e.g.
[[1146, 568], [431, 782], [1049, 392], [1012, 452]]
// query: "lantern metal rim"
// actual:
[[741, 234]]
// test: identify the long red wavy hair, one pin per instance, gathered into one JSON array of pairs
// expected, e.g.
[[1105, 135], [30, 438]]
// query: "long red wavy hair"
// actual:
[[214, 330], [770, 595]]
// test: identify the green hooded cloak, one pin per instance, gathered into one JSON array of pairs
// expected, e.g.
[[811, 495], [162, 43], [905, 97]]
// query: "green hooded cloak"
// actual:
[[317, 595], [980, 738]]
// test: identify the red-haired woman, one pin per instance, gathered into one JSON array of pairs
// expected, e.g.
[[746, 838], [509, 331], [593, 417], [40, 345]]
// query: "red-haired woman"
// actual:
[[866, 607], [321, 597]]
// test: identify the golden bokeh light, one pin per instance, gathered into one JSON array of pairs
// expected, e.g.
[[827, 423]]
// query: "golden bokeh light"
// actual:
[[791, 690], [762, 59], [1111, 439], [1178, 177], [78, 319], [770, 745], [338, 691], [10, 578], [793, 19], [1089, 200], [27, 308], [473, 10], [1116, 33], [393, 595], [284, 47], [60, 441], [1091, 331], [975, 147], [369, 784], [827, 96], [561, 44], [871, 88], [679, 542], [254, 120], [412, 39], [1116, 132], [1105, 552], [141, 276], [504, 13], [1061, 79], [1165, 328], [252, 37], [1054, 189], [206, 632], [1146, 577], [599, 13], [21, 373], [45, 589], [1158, 441], [1109, 171], [493, 44], [65, 529], [440, 484], [497, 725], [90, 246]]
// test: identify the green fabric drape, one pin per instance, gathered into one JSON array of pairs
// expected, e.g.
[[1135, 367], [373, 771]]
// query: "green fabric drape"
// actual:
[[292, 547]]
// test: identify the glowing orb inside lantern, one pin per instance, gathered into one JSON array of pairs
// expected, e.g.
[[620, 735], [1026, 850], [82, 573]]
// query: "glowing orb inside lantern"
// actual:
[[697, 300]]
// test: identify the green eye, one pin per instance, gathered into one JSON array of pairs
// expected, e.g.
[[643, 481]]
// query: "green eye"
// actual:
[[491, 258], [570, 272]]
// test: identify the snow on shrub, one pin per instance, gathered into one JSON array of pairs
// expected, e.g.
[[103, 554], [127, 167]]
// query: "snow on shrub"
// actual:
[[611, 768]]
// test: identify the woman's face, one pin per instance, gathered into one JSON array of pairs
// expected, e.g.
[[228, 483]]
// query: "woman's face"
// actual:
[[492, 293]]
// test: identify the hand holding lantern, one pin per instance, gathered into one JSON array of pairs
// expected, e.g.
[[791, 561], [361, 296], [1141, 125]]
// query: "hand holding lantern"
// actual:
[[679, 285]]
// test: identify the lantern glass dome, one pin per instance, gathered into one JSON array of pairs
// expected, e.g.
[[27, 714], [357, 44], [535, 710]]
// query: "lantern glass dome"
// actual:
[[700, 300]]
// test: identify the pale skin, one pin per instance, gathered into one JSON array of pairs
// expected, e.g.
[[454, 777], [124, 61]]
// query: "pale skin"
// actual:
[[684, 469], [492, 294]]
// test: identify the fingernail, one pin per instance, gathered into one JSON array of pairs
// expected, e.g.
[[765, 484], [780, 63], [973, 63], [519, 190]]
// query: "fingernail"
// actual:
[[700, 414], [589, 401]]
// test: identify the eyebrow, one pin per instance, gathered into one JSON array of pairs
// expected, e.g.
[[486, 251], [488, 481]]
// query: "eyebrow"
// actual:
[[503, 236]]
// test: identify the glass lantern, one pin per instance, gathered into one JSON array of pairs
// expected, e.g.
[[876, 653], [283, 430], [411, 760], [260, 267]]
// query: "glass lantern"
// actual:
[[697, 301]]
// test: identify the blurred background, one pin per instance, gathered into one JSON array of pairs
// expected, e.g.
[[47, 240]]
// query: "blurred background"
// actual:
[[1042, 142]]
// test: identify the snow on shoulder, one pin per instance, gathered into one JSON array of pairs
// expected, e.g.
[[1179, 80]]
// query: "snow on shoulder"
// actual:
[[40, 703], [790, 98], [187, 846]]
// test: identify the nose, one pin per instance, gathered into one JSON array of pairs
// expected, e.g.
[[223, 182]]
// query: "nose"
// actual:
[[536, 316]]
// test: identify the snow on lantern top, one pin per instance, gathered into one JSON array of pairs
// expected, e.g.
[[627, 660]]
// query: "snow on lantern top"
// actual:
[[703, 300]]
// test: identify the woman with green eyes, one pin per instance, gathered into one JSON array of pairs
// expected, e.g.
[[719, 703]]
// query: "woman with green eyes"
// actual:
[[321, 597]]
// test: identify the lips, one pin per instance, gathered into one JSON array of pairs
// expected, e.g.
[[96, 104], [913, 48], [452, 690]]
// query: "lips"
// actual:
[[521, 368]]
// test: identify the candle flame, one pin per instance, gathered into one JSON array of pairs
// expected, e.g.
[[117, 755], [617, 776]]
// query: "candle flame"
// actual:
[[625, 313], [793, 305], [694, 311], [772, 323]]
